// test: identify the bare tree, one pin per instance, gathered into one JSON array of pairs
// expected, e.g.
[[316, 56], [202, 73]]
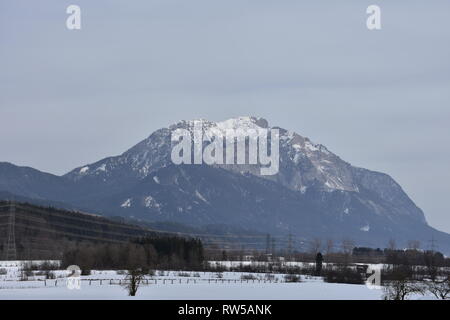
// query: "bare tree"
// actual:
[[133, 281], [392, 245], [414, 245], [401, 289], [440, 289], [329, 246], [430, 264], [316, 244], [347, 248]]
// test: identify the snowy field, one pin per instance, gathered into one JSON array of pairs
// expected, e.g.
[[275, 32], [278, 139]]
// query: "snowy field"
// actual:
[[176, 285], [200, 291]]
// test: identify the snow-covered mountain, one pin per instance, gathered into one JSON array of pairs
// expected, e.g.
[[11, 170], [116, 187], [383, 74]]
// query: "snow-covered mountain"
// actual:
[[303, 165], [314, 194]]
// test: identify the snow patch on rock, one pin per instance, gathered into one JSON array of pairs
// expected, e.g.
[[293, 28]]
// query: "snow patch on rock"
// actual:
[[200, 196], [150, 202], [101, 168], [366, 228], [84, 170], [126, 204]]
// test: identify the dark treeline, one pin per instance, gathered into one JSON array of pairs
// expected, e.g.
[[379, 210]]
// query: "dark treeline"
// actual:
[[143, 253], [352, 255], [43, 233], [404, 257], [414, 264], [368, 252]]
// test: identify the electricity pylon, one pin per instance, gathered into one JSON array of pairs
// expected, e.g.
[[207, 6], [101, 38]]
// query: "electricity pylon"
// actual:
[[11, 252]]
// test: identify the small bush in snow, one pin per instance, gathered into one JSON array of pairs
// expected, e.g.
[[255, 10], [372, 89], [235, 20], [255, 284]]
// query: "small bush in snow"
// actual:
[[248, 277], [292, 278], [269, 276], [183, 274], [343, 275], [85, 272]]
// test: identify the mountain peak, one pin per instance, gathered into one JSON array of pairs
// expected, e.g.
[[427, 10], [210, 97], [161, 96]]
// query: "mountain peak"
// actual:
[[242, 122]]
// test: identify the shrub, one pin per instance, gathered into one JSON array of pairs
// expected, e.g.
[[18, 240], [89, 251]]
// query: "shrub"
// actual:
[[85, 272], [343, 275], [269, 276], [292, 278], [248, 277], [133, 281], [183, 274], [401, 289], [440, 288]]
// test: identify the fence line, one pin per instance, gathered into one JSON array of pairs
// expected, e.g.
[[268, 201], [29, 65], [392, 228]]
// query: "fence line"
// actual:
[[50, 282]]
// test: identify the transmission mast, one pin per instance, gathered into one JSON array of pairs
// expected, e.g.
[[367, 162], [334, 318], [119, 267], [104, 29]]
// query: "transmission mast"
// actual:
[[432, 244], [11, 252], [290, 245]]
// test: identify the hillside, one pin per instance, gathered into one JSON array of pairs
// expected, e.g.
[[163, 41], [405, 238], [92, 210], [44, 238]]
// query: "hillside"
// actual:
[[44, 232]]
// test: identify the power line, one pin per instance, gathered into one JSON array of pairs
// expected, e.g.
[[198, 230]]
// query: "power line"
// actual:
[[228, 239], [83, 230], [11, 252], [433, 245], [268, 236]]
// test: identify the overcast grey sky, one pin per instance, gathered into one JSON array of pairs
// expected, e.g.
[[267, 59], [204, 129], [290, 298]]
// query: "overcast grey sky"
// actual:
[[378, 99]]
